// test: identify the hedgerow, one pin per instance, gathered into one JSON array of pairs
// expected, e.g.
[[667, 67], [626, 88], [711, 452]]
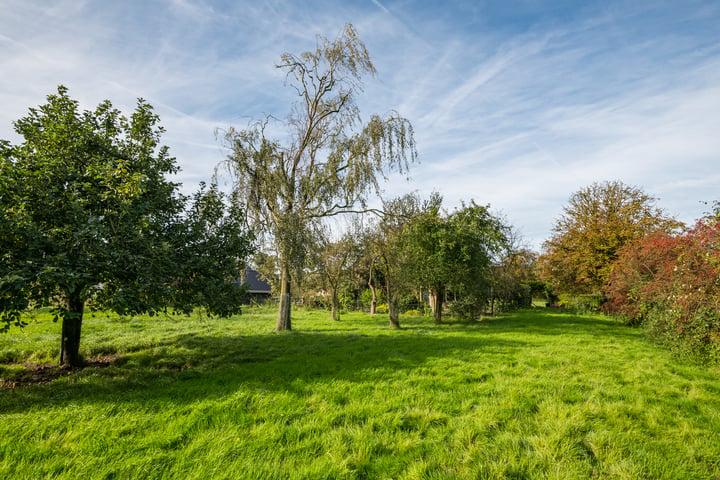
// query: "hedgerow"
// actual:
[[671, 285]]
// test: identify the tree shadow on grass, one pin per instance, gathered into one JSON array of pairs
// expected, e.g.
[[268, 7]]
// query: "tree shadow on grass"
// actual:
[[193, 367], [199, 367], [559, 322]]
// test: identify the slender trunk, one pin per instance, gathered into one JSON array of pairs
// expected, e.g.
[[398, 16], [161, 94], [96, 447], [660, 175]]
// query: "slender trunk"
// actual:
[[438, 293], [492, 301], [432, 300], [335, 307], [284, 309], [373, 302], [71, 327], [393, 307]]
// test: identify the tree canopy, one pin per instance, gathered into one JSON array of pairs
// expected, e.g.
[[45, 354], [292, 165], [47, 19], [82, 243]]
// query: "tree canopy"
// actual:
[[88, 215], [330, 163], [452, 251], [596, 223]]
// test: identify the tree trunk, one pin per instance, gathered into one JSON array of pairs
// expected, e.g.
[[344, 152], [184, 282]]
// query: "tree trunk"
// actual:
[[438, 293], [285, 307], [335, 307], [373, 302], [71, 327], [432, 300], [492, 301], [393, 308]]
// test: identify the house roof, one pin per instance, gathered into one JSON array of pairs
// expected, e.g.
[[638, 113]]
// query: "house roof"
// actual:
[[255, 282]]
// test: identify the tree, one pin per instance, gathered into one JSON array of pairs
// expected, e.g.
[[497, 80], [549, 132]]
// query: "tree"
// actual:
[[481, 237], [336, 260], [429, 250], [641, 277], [597, 222], [514, 279], [454, 251], [385, 253], [671, 285], [88, 216], [329, 166]]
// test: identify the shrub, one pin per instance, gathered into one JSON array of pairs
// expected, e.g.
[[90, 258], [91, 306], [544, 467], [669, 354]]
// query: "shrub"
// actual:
[[366, 297], [671, 285], [347, 301]]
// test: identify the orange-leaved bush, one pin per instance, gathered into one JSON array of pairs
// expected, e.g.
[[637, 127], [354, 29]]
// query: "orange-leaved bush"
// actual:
[[671, 284]]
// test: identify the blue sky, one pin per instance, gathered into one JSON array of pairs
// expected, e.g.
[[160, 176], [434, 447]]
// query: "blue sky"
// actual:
[[516, 104]]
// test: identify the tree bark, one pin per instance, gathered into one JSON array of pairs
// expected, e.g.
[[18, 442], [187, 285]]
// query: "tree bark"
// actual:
[[438, 293], [492, 301], [335, 307], [71, 328], [373, 302], [285, 307], [393, 307]]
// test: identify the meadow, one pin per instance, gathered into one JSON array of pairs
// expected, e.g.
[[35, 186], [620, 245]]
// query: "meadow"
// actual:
[[533, 394]]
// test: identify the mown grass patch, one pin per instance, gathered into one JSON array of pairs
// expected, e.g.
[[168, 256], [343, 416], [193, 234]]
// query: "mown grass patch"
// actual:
[[536, 394]]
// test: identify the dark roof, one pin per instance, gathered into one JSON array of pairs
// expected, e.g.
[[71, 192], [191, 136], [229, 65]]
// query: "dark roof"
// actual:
[[255, 283]]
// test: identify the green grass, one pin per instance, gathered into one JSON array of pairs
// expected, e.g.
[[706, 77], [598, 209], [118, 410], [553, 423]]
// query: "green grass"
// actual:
[[537, 394]]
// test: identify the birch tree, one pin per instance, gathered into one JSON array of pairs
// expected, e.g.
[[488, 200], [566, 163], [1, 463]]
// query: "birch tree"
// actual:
[[332, 161]]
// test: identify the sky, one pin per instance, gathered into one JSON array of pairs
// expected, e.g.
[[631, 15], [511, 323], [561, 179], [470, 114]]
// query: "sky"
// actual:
[[515, 104]]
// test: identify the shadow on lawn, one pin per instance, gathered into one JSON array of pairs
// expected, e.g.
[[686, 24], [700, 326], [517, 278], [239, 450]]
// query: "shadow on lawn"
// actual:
[[196, 367], [560, 322], [201, 367]]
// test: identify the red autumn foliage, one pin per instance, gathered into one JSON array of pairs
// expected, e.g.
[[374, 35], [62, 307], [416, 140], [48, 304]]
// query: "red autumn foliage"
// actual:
[[639, 276], [672, 284]]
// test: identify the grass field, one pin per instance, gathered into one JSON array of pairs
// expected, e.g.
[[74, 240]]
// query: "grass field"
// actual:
[[536, 394]]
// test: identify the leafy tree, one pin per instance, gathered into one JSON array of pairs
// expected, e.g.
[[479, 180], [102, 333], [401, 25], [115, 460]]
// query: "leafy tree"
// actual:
[[336, 262], [385, 252], [515, 279], [370, 267], [210, 247], [88, 215], [671, 285], [429, 250], [482, 238], [641, 277], [597, 222], [454, 251], [328, 167]]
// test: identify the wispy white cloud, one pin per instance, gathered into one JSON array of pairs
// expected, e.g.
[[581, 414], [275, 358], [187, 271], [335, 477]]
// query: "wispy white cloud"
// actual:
[[380, 6], [517, 108]]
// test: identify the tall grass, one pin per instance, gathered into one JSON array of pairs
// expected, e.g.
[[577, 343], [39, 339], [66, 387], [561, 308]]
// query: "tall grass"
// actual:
[[537, 394]]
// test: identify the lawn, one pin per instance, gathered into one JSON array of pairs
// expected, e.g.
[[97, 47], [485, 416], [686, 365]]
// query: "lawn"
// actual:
[[535, 394]]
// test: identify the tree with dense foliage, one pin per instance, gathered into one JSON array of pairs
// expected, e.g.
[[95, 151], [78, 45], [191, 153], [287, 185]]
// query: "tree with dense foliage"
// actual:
[[514, 279], [597, 222], [483, 237], [428, 246], [641, 277], [671, 285], [383, 249], [88, 215], [329, 166], [453, 251]]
